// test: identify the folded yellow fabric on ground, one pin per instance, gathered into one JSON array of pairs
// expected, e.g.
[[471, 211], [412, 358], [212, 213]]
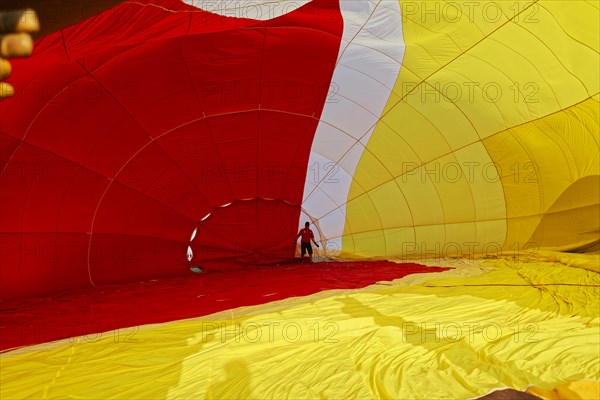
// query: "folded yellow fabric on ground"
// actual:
[[571, 390], [456, 334]]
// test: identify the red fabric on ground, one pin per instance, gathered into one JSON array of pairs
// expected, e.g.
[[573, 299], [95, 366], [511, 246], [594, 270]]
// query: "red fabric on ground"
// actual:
[[87, 311]]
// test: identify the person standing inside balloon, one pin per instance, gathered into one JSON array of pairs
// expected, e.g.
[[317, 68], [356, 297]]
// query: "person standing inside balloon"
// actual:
[[305, 246]]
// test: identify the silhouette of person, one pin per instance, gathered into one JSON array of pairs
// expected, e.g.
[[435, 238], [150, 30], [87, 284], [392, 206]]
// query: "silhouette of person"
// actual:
[[305, 246]]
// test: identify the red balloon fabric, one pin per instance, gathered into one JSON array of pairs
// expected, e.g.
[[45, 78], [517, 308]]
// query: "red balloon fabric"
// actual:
[[137, 123], [92, 311]]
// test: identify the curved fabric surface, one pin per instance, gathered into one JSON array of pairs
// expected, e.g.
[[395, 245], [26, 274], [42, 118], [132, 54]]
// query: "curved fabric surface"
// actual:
[[398, 129], [162, 129], [576, 390], [466, 332], [493, 118], [128, 306], [570, 390], [370, 57], [135, 124]]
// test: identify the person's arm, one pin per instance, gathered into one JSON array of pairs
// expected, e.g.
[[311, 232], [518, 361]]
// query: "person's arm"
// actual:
[[312, 236]]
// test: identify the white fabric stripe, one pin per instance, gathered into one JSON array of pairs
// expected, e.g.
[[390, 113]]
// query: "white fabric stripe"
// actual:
[[369, 61]]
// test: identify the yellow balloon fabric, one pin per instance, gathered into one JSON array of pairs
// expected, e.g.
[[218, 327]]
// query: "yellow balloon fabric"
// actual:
[[570, 390], [489, 141], [461, 334], [486, 144]]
